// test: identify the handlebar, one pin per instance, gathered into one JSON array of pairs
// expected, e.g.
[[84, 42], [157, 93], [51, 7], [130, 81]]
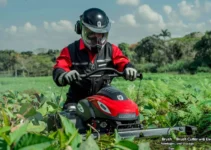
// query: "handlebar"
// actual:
[[117, 73]]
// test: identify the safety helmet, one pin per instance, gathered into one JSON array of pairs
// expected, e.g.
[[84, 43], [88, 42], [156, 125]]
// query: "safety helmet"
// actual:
[[94, 27]]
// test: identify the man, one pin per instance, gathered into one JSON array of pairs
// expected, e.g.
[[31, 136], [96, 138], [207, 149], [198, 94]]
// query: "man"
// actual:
[[87, 54]]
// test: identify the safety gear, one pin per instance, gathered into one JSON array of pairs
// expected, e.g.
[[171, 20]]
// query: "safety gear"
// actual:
[[69, 77], [130, 73], [94, 27], [81, 62], [78, 27], [78, 58], [94, 41]]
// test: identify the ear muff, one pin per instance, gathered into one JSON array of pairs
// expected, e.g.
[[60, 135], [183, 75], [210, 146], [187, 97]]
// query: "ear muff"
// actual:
[[78, 27]]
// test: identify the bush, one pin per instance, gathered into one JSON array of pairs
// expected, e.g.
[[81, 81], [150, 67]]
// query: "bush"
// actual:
[[180, 66], [203, 69], [147, 67]]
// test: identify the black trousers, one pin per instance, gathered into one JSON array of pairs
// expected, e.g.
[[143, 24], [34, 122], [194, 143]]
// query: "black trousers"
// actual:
[[76, 93], [74, 98]]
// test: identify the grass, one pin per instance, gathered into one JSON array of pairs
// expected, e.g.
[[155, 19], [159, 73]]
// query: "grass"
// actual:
[[26, 83], [44, 84]]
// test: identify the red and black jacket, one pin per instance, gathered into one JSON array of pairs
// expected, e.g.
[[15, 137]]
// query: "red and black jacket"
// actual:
[[77, 57]]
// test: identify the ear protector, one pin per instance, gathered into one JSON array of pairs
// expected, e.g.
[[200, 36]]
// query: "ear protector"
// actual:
[[78, 26]]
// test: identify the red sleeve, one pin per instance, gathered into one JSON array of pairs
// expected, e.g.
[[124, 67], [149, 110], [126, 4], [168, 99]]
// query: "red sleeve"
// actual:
[[64, 60], [118, 58]]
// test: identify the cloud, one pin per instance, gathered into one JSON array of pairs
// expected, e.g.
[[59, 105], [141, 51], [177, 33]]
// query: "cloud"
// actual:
[[129, 19], [150, 16], [128, 2], [11, 30], [130, 28], [200, 26], [173, 20], [3, 3], [167, 9], [28, 27], [60, 26], [151, 22], [30, 37], [18, 38], [190, 11]]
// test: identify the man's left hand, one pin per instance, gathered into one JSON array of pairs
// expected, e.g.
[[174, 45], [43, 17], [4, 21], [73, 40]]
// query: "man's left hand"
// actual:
[[130, 73]]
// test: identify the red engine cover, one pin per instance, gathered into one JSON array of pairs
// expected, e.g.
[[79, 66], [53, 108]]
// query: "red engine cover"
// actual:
[[115, 106]]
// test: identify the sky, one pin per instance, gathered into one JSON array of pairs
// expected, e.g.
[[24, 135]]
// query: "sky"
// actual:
[[26, 25]]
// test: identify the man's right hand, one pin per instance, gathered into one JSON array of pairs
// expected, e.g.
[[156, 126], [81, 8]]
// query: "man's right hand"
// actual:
[[69, 77]]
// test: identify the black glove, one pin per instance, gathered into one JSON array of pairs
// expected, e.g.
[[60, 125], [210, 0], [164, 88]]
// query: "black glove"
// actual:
[[69, 77], [130, 73]]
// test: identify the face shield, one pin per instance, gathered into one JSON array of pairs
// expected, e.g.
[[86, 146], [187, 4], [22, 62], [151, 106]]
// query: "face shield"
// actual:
[[93, 39]]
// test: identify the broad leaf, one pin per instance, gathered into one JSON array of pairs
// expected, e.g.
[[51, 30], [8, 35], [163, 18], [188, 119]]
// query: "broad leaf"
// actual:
[[36, 117], [63, 138], [151, 126], [54, 134], [173, 135], [4, 145], [144, 146], [4, 129], [33, 142], [68, 126], [27, 110], [132, 138], [75, 140], [70, 130], [6, 119], [43, 109], [127, 145], [6, 138], [11, 115], [21, 130], [36, 128], [53, 147], [141, 117], [117, 136], [89, 144], [55, 106]]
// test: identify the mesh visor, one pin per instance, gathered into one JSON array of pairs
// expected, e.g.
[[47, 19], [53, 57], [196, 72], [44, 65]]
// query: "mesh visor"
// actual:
[[93, 38]]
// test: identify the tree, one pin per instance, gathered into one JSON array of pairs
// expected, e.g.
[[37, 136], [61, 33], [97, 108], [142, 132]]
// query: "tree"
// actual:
[[125, 48], [203, 48], [176, 51], [165, 33], [8, 59], [27, 53], [151, 50]]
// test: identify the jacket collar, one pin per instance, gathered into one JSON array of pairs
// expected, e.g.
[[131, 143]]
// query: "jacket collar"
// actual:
[[81, 45]]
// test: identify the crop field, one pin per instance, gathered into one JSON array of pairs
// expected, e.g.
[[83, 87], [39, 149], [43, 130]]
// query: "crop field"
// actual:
[[164, 100]]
